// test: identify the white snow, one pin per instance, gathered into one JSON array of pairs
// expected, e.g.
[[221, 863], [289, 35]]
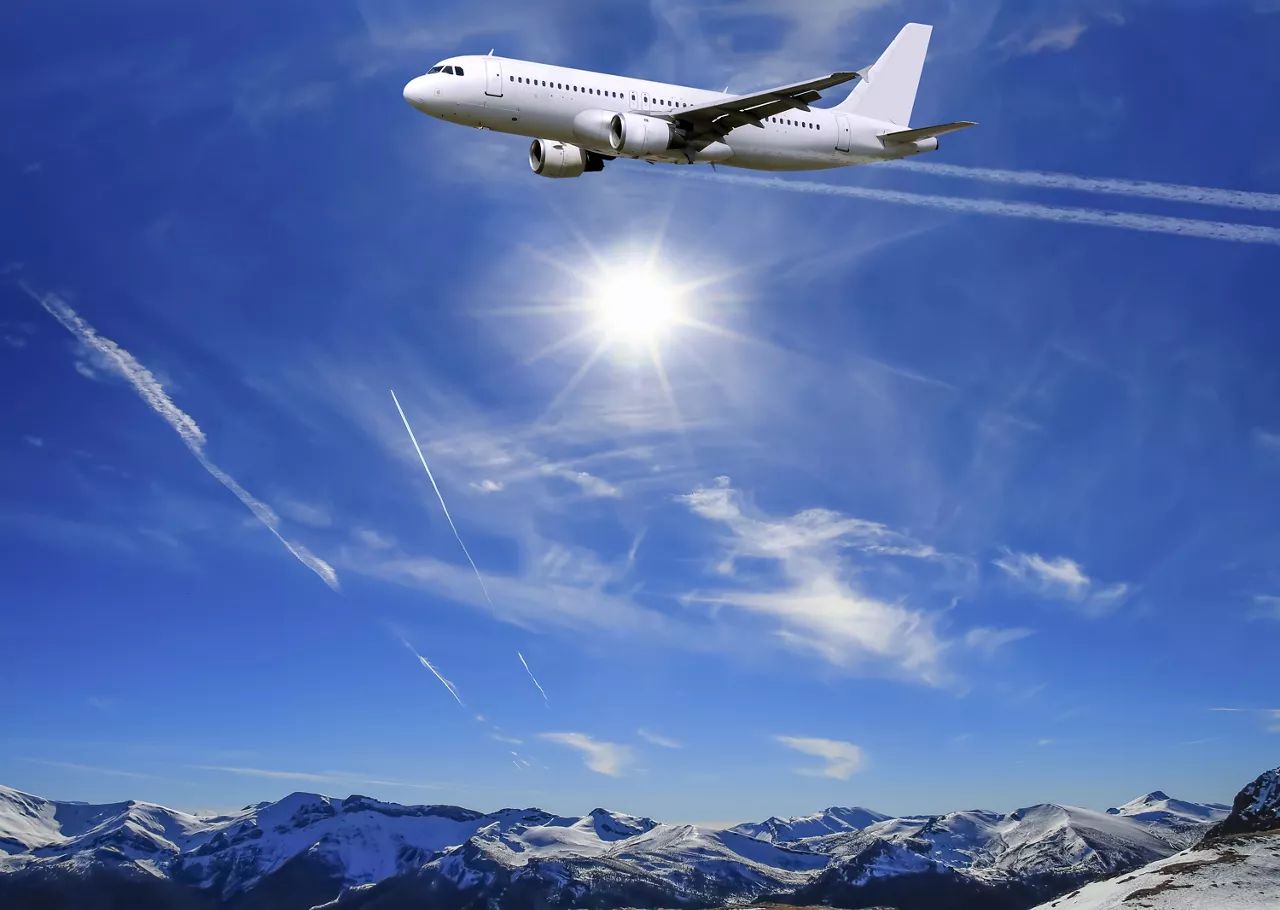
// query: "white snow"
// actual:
[[1238, 874], [829, 821]]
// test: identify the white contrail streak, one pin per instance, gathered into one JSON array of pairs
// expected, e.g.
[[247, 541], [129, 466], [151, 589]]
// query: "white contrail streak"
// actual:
[[426, 663], [1140, 189], [152, 392], [534, 678], [440, 496], [1156, 224]]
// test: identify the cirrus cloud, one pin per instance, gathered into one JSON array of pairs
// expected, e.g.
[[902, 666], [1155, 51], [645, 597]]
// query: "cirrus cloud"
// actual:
[[843, 759]]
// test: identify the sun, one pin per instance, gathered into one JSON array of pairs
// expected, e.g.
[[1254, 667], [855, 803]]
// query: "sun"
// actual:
[[636, 305]]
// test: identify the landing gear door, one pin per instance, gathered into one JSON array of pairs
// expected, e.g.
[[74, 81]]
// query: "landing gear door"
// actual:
[[842, 133], [493, 74]]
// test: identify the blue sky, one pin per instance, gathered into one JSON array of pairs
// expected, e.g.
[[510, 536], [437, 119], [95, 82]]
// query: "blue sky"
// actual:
[[950, 510]]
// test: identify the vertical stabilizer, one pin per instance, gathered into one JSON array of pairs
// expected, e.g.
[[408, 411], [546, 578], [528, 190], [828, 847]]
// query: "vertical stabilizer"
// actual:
[[888, 90]]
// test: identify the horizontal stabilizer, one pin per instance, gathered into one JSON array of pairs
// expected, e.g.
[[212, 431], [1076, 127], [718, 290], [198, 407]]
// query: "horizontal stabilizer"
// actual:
[[926, 132]]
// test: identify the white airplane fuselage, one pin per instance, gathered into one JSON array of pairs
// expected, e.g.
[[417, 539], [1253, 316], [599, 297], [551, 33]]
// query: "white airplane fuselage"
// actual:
[[575, 107]]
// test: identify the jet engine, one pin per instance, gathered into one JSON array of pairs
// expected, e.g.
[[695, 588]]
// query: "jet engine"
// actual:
[[560, 159], [638, 135]]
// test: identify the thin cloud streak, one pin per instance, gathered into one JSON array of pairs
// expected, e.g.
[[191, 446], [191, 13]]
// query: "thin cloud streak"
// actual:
[[328, 777], [1107, 186], [534, 678], [658, 740], [1153, 224], [440, 496], [426, 663], [152, 392]]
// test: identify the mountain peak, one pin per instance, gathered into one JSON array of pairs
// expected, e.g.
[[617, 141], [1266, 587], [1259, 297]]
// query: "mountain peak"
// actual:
[[1256, 808]]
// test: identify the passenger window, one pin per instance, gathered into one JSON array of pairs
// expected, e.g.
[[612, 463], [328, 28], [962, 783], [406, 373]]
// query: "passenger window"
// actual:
[[512, 78], [457, 71]]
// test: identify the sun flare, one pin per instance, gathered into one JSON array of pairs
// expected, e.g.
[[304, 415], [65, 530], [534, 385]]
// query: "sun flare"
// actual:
[[636, 305]]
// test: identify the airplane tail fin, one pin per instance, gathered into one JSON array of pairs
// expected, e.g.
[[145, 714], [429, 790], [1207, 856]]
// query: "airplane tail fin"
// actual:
[[887, 91]]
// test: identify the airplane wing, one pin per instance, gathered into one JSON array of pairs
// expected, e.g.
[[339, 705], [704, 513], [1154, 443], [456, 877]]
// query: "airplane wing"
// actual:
[[714, 121]]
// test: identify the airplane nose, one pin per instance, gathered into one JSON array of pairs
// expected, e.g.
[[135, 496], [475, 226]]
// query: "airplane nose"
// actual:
[[415, 92]]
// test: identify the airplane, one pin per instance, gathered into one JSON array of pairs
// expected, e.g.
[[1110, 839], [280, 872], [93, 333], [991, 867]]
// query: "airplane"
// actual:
[[579, 119]]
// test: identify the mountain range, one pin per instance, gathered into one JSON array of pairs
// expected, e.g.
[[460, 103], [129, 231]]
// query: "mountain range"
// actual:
[[308, 850]]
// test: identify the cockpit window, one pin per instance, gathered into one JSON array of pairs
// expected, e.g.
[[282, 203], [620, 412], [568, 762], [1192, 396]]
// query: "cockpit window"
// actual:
[[434, 69], [449, 70], [457, 71]]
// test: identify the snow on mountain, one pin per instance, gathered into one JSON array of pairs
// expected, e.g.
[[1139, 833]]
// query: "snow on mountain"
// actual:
[[1056, 840], [1240, 873], [1179, 822], [1256, 808], [829, 821], [326, 847], [1036, 841], [44, 827], [362, 839]]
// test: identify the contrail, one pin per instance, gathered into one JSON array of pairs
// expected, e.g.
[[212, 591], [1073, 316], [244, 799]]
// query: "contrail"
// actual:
[[426, 663], [440, 496], [1156, 224], [534, 678], [1141, 189], [458, 537], [153, 393]]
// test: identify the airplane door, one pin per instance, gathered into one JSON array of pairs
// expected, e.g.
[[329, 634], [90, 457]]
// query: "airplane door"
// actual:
[[635, 102], [493, 70], [842, 133]]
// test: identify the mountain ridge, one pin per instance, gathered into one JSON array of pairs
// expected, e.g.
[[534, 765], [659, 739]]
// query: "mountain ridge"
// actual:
[[308, 849]]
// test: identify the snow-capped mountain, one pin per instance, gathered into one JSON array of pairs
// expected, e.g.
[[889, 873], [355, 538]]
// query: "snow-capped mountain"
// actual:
[[1235, 867], [307, 850], [829, 821], [1179, 822]]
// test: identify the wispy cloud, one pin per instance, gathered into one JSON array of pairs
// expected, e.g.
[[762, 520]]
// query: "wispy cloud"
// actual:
[[1044, 742], [125, 365], [92, 769], [373, 540], [1061, 37], [325, 777], [34, 441], [988, 641], [510, 740], [658, 740], [306, 513], [1061, 578], [817, 607], [602, 757], [101, 704], [1266, 607], [843, 759]]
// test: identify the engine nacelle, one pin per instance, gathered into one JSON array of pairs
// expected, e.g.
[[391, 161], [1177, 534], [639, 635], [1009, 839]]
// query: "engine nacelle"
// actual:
[[560, 159], [592, 127], [638, 135]]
